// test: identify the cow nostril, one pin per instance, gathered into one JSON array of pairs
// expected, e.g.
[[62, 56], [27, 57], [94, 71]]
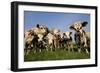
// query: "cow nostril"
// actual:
[[78, 29]]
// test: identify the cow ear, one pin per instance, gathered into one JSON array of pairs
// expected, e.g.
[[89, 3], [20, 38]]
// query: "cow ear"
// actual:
[[84, 24], [70, 33], [37, 25], [64, 34], [71, 27]]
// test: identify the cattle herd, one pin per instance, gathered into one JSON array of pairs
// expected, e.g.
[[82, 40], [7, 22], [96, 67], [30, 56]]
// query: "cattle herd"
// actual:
[[41, 38]]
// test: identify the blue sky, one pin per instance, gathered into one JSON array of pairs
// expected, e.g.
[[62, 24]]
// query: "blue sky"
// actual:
[[52, 20]]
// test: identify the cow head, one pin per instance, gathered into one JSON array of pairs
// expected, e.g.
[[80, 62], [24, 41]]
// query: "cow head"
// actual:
[[68, 34], [78, 25], [56, 32], [41, 29]]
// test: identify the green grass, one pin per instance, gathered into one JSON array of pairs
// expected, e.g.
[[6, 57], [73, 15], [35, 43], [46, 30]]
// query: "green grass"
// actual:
[[55, 55]]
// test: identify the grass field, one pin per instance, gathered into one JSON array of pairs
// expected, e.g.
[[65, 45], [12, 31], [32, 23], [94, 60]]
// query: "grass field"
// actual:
[[55, 55]]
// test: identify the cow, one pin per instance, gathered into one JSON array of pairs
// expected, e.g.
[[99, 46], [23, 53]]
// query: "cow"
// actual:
[[62, 40], [34, 38], [41, 31], [56, 33], [69, 41], [30, 40], [51, 41], [80, 35]]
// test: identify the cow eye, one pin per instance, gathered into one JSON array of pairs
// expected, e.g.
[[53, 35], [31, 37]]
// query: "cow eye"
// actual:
[[41, 28]]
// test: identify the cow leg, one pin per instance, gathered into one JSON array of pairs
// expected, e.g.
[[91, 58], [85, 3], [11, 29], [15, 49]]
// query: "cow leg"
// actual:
[[79, 49], [47, 49], [40, 50], [87, 51], [68, 48], [25, 51], [71, 47], [28, 51], [51, 47], [34, 47]]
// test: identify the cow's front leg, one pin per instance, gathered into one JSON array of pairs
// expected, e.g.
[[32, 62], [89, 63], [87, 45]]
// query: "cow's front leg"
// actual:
[[40, 50], [79, 49], [87, 51], [71, 46]]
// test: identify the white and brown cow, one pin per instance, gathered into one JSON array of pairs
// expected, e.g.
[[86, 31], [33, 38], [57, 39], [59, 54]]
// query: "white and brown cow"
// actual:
[[80, 36], [57, 40], [36, 38], [30, 40], [51, 40], [40, 31], [69, 41]]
